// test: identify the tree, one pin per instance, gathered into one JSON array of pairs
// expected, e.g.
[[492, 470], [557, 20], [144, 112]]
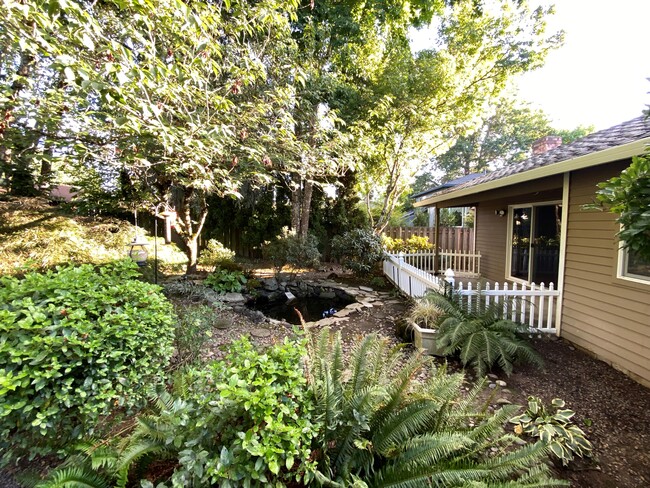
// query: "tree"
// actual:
[[424, 100], [178, 97]]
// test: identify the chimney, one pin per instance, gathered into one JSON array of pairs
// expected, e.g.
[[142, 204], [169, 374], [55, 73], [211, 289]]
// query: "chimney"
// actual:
[[540, 146]]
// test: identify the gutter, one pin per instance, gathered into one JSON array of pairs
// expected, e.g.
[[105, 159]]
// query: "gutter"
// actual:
[[592, 159]]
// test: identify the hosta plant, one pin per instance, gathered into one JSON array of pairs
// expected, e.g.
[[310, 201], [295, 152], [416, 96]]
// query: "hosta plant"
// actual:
[[225, 281], [384, 429], [554, 427], [480, 334]]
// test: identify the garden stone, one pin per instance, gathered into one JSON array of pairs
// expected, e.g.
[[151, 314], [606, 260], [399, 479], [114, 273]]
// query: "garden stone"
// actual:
[[343, 313], [366, 288], [260, 333], [354, 306], [501, 383], [506, 391], [492, 385], [270, 284], [492, 376], [232, 297], [327, 294], [503, 401]]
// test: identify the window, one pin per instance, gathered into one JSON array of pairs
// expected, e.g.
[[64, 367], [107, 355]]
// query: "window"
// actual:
[[633, 267]]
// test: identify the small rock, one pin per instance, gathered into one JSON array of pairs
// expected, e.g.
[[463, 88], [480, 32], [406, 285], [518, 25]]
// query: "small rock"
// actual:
[[506, 391], [366, 288], [261, 333], [332, 276], [572, 348], [492, 376], [367, 304], [232, 297], [554, 338], [503, 401], [501, 383], [492, 385]]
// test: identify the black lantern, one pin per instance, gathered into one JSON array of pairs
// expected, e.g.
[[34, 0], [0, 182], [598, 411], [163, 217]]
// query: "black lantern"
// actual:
[[138, 252]]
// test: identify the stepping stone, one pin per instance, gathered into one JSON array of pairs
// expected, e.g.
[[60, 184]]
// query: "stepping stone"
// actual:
[[492, 376], [367, 304], [503, 401], [261, 333], [366, 288], [501, 383], [232, 297], [354, 306], [343, 313]]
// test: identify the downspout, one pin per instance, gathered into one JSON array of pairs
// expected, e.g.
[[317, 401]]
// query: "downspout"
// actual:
[[561, 264]]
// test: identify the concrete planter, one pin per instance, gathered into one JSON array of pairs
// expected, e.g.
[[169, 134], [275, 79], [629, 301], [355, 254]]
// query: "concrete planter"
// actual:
[[425, 339]]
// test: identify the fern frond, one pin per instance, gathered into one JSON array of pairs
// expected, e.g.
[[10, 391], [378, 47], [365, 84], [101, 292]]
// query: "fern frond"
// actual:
[[75, 477]]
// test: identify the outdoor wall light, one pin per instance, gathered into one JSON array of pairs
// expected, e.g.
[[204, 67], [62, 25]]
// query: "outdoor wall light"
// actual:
[[500, 212]]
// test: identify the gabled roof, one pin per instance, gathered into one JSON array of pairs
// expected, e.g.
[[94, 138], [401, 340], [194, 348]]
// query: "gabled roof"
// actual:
[[448, 184], [619, 142]]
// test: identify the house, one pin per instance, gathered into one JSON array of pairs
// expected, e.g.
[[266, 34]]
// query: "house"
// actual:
[[531, 226], [461, 211]]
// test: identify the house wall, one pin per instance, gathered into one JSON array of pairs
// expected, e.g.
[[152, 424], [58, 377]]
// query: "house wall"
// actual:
[[601, 313], [491, 230]]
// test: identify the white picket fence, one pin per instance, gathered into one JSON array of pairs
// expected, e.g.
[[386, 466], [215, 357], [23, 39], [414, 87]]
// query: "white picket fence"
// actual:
[[535, 305], [463, 263]]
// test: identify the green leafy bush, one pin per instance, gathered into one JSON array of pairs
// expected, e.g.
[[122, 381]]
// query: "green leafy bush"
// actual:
[[225, 281], [555, 429], [383, 429], [245, 421], [193, 330], [73, 343], [481, 335], [412, 244], [359, 250], [215, 255], [290, 249]]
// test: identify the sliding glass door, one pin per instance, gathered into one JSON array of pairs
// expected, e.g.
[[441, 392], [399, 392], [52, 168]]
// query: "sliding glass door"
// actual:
[[535, 242]]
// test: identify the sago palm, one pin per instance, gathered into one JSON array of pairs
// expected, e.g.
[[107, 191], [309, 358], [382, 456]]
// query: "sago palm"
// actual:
[[383, 429]]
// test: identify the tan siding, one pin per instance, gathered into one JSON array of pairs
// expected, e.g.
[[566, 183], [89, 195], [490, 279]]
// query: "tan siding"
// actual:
[[603, 314]]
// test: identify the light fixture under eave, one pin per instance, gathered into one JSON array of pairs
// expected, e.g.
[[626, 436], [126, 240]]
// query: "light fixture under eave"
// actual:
[[499, 212]]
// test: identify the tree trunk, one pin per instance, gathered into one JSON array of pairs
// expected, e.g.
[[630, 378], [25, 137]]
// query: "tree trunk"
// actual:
[[305, 208], [192, 244], [296, 194], [188, 229]]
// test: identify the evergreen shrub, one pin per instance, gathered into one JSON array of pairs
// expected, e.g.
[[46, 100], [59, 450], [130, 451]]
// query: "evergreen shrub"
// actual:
[[359, 250], [74, 343], [290, 249]]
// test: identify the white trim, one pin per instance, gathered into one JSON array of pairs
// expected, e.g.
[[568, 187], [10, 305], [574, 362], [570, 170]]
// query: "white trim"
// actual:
[[593, 159], [564, 226], [621, 264], [532, 206]]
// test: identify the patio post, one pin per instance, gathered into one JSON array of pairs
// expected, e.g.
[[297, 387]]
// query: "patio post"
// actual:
[[436, 240]]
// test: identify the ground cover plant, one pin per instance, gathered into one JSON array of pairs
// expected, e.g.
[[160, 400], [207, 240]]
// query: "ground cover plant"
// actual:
[[244, 421], [225, 281], [480, 334], [383, 429], [76, 343]]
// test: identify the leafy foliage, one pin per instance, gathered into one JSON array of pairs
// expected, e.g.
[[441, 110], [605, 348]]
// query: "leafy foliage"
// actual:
[[225, 281], [293, 250], [75, 342], [383, 429], [245, 421], [481, 335], [215, 254], [628, 195], [555, 429], [193, 330], [359, 250], [412, 244]]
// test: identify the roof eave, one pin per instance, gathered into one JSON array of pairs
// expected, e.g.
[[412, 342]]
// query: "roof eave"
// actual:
[[593, 159]]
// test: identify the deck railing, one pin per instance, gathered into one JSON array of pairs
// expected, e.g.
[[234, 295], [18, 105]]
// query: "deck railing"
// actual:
[[463, 263], [533, 305]]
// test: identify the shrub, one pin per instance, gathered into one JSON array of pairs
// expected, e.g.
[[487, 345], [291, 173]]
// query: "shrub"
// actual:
[[74, 343], [481, 335], [215, 255], [293, 250], [224, 281], [359, 250], [384, 429], [412, 244], [245, 421], [563, 437], [193, 330]]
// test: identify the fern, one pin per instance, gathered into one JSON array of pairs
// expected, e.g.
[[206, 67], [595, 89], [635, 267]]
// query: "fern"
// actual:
[[480, 334], [384, 430]]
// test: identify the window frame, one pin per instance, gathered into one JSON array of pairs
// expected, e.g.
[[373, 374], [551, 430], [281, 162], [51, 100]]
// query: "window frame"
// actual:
[[621, 266]]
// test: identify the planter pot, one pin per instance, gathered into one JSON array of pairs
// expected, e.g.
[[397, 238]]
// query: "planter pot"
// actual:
[[425, 339]]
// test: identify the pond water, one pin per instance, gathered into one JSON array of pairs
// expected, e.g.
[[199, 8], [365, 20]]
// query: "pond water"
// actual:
[[311, 308]]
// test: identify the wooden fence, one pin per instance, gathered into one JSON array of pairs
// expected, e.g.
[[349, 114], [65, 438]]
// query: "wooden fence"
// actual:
[[452, 238], [532, 305]]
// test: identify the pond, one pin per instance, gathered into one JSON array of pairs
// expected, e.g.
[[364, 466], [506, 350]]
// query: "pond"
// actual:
[[312, 308]]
